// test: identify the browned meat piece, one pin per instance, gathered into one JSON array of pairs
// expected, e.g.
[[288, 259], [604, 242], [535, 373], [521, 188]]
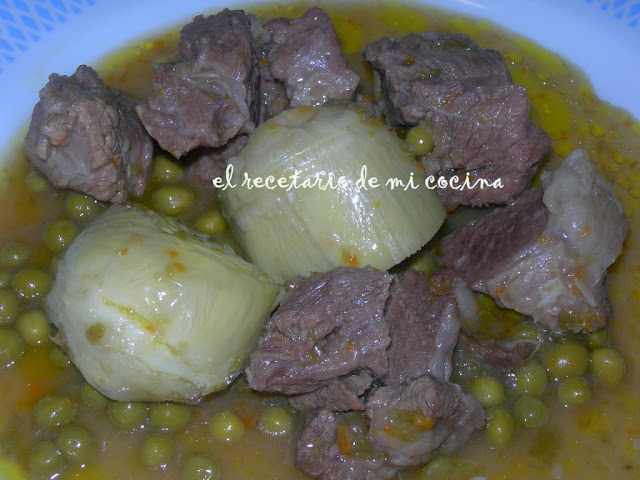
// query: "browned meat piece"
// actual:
[[273, 94], [85, 136], [319, 453], [330, 331], [305, 55], [210, 96], [369, 106], [424, 327], [486, 134], [425, 65], [206, 164], [478, 119], [328, 325], [340, 394], [507, 357], [485, 248], [410, 424], [546, 255]]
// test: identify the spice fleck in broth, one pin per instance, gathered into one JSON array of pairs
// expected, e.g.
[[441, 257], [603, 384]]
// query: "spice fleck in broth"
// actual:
[[54, 424]]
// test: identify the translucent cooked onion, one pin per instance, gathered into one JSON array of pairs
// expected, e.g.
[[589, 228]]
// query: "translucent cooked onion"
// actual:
[[149, 312], [291, 230]]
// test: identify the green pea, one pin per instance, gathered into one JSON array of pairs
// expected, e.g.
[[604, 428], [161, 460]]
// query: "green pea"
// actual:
[[59, 358], [488, 390], [200, 467], [128, 415], [76, 443], [46, 459], [8, 307], [439, 467], [11, 346], [500, 428], [156, 450], [81, 207], [567, 359], [166, 170], [34, 327], [211, 222], [526, 331], [420, 140], [226, 427], [54, 410], [445, 467], [59, 233], [276, 421], [608, 366], [172, 199], [5, 279], [15, 254], [531, 379], [574, 391], [92, 397], [598, 339], [531, 412], [36, 183], [169, 416], [31, 283]]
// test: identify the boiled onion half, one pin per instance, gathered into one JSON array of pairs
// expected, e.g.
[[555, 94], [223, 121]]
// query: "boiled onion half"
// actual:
[[320, 187]]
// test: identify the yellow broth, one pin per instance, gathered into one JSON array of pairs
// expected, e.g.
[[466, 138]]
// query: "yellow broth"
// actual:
[[599, 439]]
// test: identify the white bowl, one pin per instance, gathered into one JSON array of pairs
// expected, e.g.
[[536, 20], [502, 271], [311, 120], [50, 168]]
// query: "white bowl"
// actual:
[[38, 37]]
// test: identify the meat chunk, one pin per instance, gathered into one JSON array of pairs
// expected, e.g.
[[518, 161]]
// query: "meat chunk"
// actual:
[[340, 394], [272, 93], [328, 325], [546, 254], [334, 332], [418, 66], [304, 54], [206, 164], [478, 119], [502, 356], [85, 136], [209, 97], [319, 453], [424, 327], [483, 249], [410, 424], [369, 106]]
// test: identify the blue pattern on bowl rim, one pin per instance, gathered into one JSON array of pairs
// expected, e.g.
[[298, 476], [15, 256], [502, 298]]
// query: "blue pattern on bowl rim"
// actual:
[[25, 22], [628, 11]]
